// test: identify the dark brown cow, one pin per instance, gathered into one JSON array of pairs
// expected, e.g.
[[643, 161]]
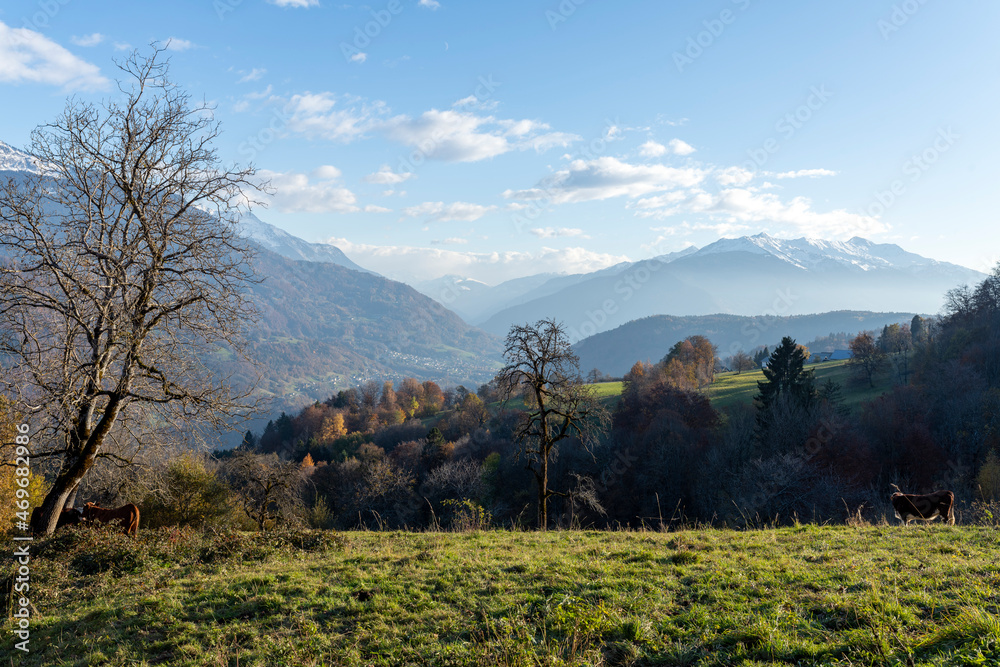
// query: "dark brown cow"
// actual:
[[68, 517], [925, 507], [126, 516]]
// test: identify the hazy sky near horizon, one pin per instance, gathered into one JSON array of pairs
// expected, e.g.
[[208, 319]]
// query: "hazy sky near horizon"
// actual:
[[494, 140]]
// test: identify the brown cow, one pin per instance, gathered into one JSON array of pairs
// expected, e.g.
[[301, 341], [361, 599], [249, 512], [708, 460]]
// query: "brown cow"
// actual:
[[925, 507], [127, 516]]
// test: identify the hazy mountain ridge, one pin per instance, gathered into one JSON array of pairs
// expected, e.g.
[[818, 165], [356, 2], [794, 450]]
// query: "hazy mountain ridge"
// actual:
[[649, 339], [749, 276], [476, 301]]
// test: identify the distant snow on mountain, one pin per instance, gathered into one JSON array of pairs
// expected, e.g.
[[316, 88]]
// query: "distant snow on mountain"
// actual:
[[812, 254], [12, 159], [747, 276], [292, 247]]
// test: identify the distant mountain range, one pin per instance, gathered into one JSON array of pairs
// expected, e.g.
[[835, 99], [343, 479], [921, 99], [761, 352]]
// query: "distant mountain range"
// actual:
[[327, 323], [752, 275], [650, 338], [281, 242]]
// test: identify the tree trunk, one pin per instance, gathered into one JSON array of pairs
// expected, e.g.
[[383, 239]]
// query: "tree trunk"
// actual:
[[543, 494], [68, 481]]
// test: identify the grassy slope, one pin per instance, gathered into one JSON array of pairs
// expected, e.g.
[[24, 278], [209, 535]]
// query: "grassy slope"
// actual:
[[730, 389], [806, 595]]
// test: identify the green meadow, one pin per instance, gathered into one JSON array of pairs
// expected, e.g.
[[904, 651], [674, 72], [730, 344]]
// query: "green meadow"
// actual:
[[803, 595], [733, 389]]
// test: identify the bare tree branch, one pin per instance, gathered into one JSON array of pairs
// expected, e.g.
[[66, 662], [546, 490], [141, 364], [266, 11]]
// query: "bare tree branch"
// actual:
[[122, 275]]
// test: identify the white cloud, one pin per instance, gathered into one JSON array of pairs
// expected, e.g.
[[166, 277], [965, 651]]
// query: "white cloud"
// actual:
[[359, 57], [386, 176], [329, 117], [736, 206], [607, 177], [178, 44], [430, 4], [253, 75], [326, 172], [733, 176], [459, 136], [667, 200], [318, 192], [805, 173], [416, 264], [244, 103], [92, 39], [679, 147], [551, 232], [652, 149], [748, 206], [441, 212], [27, 56], [372, 208], [295, 3], [122, 46], [451, 241]]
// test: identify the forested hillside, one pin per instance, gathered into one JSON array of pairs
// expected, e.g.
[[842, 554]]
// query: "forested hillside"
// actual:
[[324, 325], [648, 339], [810, 444]]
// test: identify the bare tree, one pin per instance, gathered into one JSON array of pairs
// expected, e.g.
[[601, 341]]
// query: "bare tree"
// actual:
[[542, 367], [741, 361], [267, 487], [121, 274]]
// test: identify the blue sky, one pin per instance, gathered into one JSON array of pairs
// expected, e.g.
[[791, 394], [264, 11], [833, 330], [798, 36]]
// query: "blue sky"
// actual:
[[495, 140]]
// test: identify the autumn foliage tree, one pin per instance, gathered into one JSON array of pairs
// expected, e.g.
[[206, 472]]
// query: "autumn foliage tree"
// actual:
[[690, 363], [867, 357]]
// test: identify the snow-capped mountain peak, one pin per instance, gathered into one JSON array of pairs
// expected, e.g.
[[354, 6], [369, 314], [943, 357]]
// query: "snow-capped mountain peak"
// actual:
[[12, 159], [812, 254], [285, 244]]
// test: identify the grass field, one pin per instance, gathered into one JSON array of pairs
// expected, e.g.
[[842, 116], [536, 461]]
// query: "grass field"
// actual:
[[731, 389], [803, 595]]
